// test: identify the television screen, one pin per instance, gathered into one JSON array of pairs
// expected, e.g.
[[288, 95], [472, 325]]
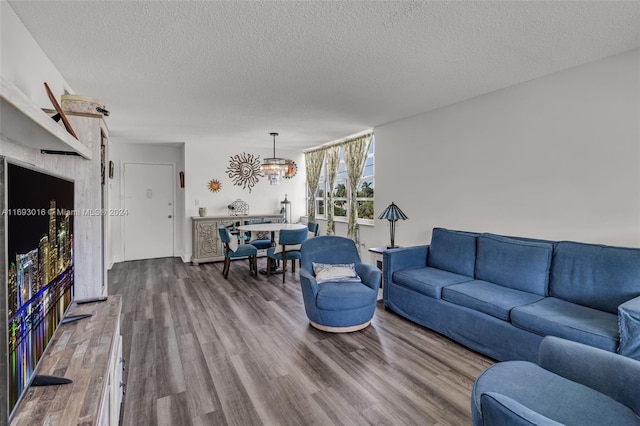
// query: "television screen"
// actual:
[[39, 223]]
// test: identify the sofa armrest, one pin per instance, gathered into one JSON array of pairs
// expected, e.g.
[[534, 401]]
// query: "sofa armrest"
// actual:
[[498, 409], [401, 258], [609, 373], [629, 328], [369, 274]]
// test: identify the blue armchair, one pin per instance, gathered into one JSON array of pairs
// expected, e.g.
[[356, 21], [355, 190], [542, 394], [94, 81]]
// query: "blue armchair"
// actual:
[[337, 306], [572, 384]]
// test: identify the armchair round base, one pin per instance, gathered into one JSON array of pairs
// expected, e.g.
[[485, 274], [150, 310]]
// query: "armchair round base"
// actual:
[[348, 329]]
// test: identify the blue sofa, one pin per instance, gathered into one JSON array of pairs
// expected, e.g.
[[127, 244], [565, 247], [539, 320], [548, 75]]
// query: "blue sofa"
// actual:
[[571, 384], [502, 295]]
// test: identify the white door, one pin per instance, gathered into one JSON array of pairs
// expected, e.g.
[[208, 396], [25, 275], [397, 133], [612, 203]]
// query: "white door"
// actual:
[[148, 200]]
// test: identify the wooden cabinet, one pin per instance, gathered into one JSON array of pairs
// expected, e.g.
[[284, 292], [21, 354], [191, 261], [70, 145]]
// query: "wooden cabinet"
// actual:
[[206, 245], [89, 352], [112, 397]]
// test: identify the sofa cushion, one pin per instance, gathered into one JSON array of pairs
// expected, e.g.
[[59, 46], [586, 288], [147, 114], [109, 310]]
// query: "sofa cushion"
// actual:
[[555, 317], [514, 263], [427, 281], [597, 276], [261, 244], [486, 297], [333, 296], [551, 395], [453, 251]]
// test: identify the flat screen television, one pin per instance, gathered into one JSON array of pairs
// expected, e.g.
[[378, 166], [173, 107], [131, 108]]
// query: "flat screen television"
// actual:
[[38, 213]]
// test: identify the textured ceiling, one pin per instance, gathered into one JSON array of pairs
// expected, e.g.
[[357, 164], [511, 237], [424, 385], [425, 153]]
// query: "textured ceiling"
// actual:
[[231, 72]]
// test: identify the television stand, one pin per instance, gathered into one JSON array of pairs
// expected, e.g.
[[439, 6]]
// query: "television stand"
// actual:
[[44, 380], [90, 354]]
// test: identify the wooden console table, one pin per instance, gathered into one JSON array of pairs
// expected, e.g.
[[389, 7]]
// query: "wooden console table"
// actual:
[[89, 352]]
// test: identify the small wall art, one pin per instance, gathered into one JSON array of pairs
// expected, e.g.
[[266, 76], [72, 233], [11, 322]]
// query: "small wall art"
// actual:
[[292, 169], [244, 170], [214, 185]]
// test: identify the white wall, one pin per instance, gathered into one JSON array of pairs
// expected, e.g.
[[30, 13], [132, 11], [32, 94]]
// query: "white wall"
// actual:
[[24, 63], [209, 160], [557, 157], [144, 153]]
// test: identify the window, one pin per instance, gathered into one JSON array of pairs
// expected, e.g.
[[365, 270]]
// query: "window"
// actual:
[[320, 193], [341, 196], [364, 197]]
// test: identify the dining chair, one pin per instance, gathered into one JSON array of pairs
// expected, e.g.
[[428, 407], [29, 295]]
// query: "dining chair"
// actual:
[[288, 248], [314, 228], [260, 240], [233, 250]]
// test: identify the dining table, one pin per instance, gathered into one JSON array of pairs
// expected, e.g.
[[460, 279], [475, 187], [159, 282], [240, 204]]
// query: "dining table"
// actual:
[[273, 228]]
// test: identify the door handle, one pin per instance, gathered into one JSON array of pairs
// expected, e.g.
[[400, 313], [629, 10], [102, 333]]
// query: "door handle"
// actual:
[[169, 216]]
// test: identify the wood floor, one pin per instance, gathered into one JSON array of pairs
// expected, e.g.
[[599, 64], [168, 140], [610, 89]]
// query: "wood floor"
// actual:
[[202, 350]]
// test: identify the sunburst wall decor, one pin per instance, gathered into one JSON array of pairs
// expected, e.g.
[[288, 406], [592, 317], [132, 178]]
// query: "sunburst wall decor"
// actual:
[[292, 170], [214, 185], [244, 170]]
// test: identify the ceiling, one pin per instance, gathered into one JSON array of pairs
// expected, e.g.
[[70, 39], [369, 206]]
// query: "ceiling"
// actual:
[[315, 71]]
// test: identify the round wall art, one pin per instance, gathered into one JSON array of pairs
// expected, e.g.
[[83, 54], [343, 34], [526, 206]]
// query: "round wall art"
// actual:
[[214, 185], [292, 169], [244, 170]]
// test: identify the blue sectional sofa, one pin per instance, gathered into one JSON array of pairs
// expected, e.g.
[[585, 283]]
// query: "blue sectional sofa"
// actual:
[[571, 384], [502, 295]]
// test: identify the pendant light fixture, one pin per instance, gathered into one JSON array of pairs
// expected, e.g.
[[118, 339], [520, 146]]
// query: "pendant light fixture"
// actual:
[[274, 167]]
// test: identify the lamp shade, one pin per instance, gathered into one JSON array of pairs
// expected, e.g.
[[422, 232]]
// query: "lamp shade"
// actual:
[[392, 214]]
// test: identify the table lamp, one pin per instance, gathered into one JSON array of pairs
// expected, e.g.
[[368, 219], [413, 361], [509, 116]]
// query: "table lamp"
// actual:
[[285, 209], [392, 214]]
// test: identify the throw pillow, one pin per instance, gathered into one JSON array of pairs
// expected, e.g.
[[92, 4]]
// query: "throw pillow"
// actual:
[[340, 272]]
